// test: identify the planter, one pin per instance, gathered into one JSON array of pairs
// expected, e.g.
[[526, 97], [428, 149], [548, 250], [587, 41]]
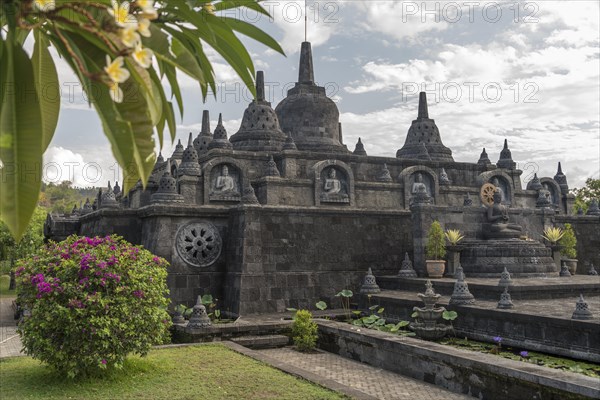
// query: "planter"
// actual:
[[571, 264], [435, 268]]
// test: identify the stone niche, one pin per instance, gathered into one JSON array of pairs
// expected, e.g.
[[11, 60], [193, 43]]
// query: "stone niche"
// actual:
[[555, 194], [334, 183], [223, 182], [505, 187], [428, 179]]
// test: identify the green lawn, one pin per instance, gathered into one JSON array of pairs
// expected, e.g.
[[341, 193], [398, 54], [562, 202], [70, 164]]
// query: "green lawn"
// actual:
[[4, 282], [203, 372]]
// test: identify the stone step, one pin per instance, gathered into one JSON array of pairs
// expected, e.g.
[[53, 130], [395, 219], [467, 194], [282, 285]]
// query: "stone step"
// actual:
[[262, 342]]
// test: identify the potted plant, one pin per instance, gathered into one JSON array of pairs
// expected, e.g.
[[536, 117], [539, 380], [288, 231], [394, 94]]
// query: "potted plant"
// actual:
[[454, 236], [568, 243], [553, 235], [435, 251]]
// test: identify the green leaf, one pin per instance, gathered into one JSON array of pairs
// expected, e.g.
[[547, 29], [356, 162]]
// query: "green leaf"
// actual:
[[20, 138], [372, 308], [321, 305], [253, 32], [414, 315], [47, 86], [449, 315], [380, 310], [345, 293], [207, 299]]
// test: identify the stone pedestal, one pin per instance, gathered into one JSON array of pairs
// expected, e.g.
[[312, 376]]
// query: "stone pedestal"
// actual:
[[522, 258], [453, 260]]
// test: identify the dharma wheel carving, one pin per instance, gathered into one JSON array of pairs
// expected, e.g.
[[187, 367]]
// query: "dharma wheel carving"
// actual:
[[487, 194], [199, 243]]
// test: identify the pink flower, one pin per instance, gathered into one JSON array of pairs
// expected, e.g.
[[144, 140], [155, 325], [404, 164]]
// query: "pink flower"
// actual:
[[138, 293], [103, 361]]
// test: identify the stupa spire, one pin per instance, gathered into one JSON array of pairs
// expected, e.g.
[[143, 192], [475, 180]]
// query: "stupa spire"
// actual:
[[260, 86], [423, 111], [306, 74], [205, 123]]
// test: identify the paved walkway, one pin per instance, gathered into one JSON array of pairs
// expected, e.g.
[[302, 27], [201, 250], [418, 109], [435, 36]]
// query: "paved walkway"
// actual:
[[10, 343], [373, 381]]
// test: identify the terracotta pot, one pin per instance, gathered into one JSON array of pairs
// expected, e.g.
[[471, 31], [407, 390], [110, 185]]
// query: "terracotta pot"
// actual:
[[435, 268], [571, 264]]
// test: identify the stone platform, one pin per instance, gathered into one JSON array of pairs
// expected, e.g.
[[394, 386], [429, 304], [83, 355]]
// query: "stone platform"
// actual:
[[522, 258], [487, 288]]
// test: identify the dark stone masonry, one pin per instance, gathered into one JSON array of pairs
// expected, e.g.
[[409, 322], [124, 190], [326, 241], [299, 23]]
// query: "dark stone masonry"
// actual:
[[282, 214]]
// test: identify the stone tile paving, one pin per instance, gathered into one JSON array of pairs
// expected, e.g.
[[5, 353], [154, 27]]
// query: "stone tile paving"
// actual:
[[10, 343], [373, 381]]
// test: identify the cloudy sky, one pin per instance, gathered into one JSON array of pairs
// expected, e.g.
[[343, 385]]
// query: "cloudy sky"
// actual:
[[525, 71]]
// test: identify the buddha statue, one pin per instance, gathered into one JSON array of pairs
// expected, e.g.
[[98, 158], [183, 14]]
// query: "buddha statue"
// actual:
[[333, 189], [498, 226], [225, 183], [544, 197], [419, 191], [499, 189], [332, 184]]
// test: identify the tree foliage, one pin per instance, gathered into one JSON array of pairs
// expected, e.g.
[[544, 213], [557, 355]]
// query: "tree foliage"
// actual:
[[122, 53], [32, 239], [584, 195], [91, 302]]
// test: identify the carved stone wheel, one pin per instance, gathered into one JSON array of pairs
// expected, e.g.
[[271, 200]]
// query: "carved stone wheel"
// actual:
[[199, 243], [486, 194]]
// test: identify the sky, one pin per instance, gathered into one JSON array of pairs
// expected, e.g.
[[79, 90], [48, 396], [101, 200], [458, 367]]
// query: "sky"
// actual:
[[525, 71]]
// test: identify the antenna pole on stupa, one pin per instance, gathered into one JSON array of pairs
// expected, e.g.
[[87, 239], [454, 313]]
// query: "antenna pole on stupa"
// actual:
[[423, 112], [305, 22], [260, 86]]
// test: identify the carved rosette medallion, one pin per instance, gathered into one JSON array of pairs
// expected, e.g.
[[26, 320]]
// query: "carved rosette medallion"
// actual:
[[199, 243], [486, 194]]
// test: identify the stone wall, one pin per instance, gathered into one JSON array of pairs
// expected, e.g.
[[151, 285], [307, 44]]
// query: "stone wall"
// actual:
[[587, 232], [483, 376], [291, 257]]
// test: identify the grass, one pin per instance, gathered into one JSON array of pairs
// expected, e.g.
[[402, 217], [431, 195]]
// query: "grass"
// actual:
[[207, 372], [4, 283]]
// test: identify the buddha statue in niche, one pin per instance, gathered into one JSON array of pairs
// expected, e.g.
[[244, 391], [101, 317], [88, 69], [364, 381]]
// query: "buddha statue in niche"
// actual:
[[333, 189], [419, 191], [225, 183]]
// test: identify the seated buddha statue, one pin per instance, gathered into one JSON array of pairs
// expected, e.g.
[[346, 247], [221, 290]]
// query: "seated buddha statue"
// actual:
[[498, 226]]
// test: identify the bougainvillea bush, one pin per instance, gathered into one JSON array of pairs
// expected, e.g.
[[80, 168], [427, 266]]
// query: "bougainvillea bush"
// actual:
[[90, 302]]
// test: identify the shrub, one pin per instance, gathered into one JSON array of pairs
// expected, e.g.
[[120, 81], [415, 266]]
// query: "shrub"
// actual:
[[436, 244], [304, 331], [568, 241], [454, 236], [92, 301]]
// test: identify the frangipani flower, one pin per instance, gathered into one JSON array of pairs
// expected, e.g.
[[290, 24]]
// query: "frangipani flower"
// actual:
[[143, 56], [129, 37], [116, 93], [148, 10], [44, 5], [144, 27], [209, 8], [145, 4], [121, 14], [115, 70]]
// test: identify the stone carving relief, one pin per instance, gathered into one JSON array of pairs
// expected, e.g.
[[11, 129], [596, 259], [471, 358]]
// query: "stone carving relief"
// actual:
[[335, 186], [199, 244], [225, 183]]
